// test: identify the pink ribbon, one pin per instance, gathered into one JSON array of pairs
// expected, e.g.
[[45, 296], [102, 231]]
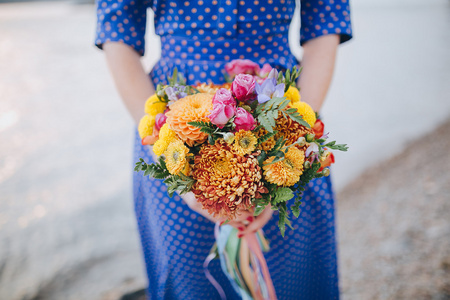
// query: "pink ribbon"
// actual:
[[211, 279], [254, 246]]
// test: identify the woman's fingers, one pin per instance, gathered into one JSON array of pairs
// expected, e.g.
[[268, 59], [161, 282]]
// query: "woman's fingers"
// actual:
[[259, 222], [193, 204]]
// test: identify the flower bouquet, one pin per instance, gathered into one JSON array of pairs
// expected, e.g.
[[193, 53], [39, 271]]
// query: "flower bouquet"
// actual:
[[240, 146]]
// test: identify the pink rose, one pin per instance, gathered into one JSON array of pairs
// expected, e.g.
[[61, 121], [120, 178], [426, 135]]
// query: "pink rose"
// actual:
[[160, 120], [221, 114], [265, 71], [224, 96], [243, 87], [244, 120], [241, 66]]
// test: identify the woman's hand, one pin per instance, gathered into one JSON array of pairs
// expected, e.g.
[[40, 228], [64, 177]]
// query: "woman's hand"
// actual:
[[245, 222], [243, 217], [259, 222]]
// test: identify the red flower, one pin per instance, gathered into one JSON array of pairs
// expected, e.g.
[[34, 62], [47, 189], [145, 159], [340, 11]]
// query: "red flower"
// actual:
[[318, 128], [327, 162]]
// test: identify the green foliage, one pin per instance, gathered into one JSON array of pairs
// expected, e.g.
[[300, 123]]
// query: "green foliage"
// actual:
[[179, 183], [157, 170], [266, 137], [261, 158], [333, 145], [296, 207], [290, 77], [277, 151], [282, 194], [295, 116], [177, 78], [283, 215], [210, 129], [206, 127], [266, 113]]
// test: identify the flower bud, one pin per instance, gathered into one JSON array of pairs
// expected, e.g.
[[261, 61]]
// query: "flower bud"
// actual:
[[326, 172], [247, 108], [301, 141], [310, 137], [324, 155], [307, 164], [228, 137], [160, 93]]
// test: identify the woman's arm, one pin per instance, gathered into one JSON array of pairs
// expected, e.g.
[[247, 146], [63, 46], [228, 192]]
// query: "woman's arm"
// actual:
[[318, 64], [132, 82]]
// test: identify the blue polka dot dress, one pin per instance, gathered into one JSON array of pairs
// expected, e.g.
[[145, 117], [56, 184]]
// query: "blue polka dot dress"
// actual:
[[199, 37]]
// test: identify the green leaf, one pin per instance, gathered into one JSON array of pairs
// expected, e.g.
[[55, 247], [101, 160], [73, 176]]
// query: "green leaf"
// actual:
[[296, 207], [265, 122], [284, 104], [283, 194], [261, 157], [266, 137], [340, 147], [259, 210], [282, 224], [295, 116]]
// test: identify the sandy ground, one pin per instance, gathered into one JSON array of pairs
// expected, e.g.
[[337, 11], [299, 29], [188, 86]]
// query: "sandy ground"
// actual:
[[67, 229], [394, 228]]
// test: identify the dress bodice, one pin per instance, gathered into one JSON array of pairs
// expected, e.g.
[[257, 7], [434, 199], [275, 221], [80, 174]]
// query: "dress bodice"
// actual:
[[215, 20]]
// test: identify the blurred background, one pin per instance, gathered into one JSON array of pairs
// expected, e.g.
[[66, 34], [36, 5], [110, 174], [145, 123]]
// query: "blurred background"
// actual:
[[67, 227]]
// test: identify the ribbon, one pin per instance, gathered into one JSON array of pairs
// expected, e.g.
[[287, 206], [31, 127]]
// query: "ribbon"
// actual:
[[243, 263], [211, 279]]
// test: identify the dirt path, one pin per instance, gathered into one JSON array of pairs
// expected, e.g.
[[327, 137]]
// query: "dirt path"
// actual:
[[394, 225]]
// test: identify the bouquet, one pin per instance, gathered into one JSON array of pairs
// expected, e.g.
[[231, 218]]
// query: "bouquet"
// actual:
[[239, 146]]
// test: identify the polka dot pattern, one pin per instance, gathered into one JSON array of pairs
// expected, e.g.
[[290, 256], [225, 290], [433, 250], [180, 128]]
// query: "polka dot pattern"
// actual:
[[199, 37], [325, 17], [217, 20]]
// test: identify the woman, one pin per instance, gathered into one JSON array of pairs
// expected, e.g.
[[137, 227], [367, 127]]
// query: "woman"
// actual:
[[199, 37]]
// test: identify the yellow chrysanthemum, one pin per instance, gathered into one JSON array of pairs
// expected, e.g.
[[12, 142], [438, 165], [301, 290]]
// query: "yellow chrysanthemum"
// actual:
[[244, 142], [166, 134], [176, 156], [306, 111], [160, 147], [286, 172], [292, 94], [145, 127], [154, 106], [187, 169]]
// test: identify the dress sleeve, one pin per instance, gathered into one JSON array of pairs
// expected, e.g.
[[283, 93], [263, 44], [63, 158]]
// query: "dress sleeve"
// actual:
[[122, 21], [321, 17]]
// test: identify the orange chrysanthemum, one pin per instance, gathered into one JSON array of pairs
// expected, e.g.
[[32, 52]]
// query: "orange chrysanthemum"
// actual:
[[211, 88], [290, 130], [225, 181], [286, 172], [267, 145], [189, 109]]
